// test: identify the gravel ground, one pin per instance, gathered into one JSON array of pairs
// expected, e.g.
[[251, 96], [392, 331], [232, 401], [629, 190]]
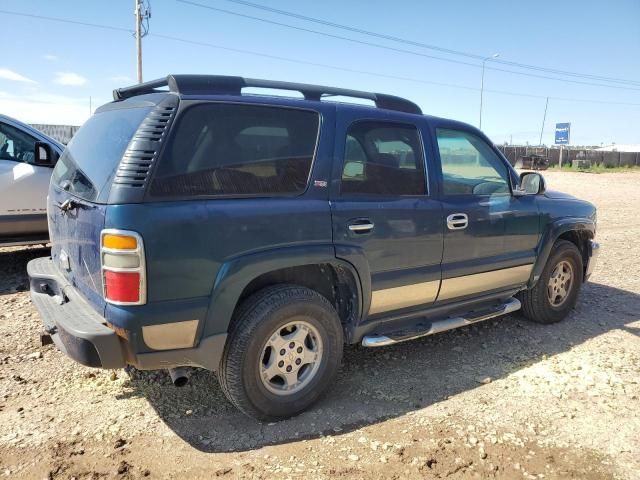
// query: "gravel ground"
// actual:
[[503, 399]]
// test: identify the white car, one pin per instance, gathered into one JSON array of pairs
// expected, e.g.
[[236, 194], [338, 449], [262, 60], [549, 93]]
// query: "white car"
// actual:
[[27, 158]]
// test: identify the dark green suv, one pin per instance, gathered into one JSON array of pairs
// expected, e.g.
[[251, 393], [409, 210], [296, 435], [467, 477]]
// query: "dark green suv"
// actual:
[[194, 224]]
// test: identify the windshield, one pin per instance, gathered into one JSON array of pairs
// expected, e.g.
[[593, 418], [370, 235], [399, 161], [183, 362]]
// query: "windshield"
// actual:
[[91, 158]]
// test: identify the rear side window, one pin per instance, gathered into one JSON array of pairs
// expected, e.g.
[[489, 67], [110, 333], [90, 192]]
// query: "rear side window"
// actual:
[[383, 159], [88, 164], [233, 149]]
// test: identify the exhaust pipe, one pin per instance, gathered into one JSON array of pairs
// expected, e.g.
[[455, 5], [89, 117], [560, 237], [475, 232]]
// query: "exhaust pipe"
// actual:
[[178, 376]]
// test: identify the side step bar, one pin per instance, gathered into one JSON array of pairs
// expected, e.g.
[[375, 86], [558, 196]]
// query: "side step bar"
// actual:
[[430, 328]]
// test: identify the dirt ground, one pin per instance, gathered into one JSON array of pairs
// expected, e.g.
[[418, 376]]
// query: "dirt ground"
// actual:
[[503, 399]]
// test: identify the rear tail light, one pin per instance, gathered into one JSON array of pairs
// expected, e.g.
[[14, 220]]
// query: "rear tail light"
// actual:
[[123, 269]]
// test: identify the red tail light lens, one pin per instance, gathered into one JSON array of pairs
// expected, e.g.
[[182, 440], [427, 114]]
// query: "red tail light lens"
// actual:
[[122, 286]]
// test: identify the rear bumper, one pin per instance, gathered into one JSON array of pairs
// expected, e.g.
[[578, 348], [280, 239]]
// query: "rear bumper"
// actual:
[[82, 333], [594, 251], [75, 327]]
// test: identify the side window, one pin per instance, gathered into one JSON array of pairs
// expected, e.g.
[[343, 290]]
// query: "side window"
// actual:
[[16, 145], [469, 165], [383, 159], [232, 149]]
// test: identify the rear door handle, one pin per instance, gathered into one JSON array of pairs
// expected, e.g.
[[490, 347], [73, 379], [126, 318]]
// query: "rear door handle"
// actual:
[[360, 227], [457, 221]]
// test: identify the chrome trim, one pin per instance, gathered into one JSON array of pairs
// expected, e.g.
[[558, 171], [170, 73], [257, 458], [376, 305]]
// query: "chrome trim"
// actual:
[[402, 297], [457, 221], [139, 250], [361, 227], [594, 252], [483, 282], [168, 336], [119, 251], [13, 243], [439, 326], [377, 341]]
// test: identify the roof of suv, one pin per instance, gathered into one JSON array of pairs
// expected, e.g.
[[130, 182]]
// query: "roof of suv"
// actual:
[[229, 85], [155, 92]]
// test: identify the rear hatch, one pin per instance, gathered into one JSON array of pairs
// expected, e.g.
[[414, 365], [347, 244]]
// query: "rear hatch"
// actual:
[[78, 196]]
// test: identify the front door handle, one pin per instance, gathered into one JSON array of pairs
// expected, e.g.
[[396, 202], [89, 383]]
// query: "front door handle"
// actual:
[[457, 221], [360, 227]]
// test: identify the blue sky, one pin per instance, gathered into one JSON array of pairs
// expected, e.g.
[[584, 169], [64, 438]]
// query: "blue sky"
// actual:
[[48, 70]]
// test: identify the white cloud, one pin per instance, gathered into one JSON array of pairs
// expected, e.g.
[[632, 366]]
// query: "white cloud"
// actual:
[[51, 58], [42, 107], [7, 74], [70, 79], [122, 79]]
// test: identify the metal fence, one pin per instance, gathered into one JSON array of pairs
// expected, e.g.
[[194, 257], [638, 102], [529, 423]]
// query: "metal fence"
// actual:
[[61, 133], [596, 157]]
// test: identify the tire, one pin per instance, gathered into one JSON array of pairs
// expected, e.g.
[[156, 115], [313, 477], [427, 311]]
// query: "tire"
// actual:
[[260, 322], [537, 305]]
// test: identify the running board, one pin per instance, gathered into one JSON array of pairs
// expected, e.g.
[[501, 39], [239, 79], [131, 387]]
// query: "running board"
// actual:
[[430, 328]]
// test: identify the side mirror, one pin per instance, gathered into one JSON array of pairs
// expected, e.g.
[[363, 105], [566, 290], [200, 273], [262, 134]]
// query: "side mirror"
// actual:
[[531, 183], [44, 155]]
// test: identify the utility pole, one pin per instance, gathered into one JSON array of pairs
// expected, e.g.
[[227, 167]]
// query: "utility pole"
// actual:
[[139, 39], [495, 55], [544, 118], [141, 16]]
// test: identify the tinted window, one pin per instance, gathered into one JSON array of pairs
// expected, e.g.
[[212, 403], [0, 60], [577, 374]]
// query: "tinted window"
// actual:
[[91, 158], [231, 149], [16, 145], [469, 165], [383, 159]]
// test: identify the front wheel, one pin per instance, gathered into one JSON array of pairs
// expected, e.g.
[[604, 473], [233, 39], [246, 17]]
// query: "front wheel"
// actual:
[[556, 292], [283, 352]]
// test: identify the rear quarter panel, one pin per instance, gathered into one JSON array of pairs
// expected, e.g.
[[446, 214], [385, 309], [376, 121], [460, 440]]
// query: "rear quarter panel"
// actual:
[[193, 246]]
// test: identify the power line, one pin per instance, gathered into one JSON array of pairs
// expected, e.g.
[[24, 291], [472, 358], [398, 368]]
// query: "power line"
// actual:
[[315, 64], [381, 75], [427, 46], [394, 49], [66, 20]]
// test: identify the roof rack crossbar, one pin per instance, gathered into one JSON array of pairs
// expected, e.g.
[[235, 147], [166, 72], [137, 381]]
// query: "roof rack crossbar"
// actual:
[[220, 84]]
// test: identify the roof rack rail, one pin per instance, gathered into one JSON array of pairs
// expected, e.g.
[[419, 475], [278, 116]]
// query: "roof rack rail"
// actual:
[[228, 85]]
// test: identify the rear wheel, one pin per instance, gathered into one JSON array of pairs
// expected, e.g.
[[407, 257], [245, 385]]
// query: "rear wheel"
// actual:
[[556, 292], [283, 352]]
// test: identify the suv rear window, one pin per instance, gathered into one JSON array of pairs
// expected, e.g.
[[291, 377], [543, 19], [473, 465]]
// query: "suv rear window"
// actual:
[[91, 158], [233, 149]]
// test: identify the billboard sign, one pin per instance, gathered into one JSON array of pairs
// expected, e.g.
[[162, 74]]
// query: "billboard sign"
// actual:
[[562, 133]]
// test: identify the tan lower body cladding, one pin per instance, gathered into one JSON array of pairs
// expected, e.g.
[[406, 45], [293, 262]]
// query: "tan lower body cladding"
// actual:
[[483, 282], [402, 297], [427, 292], [167, 336]]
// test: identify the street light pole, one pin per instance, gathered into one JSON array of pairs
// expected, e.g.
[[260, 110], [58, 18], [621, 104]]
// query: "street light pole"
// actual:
[[495, 55]]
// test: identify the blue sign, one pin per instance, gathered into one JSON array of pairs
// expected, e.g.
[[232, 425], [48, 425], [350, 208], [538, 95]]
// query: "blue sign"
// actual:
[[562, 133]]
